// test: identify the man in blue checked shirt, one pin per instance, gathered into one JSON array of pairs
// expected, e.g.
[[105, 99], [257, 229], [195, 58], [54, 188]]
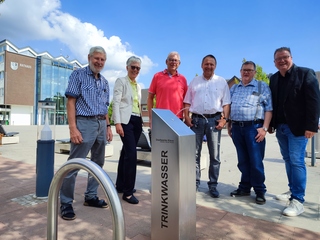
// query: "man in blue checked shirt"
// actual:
[[251, 113], [87, 111]]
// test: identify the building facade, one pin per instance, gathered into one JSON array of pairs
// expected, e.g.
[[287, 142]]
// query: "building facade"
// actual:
[[27, 77]]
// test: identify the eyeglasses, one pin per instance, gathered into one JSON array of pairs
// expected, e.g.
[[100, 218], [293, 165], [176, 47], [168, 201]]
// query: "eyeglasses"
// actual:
[[247, 70], [173, 60], [279, 59], [134, 68]]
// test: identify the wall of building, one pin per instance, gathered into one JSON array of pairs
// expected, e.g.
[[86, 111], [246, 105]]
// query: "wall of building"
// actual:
[[21, 115], [19, 79]]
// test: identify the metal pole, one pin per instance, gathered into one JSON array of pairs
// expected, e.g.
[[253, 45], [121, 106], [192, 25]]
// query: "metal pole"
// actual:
[[107, 185], [313, 154]]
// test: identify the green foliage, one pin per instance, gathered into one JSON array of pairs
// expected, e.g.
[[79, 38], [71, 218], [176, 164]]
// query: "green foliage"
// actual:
[[110, 113], [1, 1], [154, 101], [260, 74]]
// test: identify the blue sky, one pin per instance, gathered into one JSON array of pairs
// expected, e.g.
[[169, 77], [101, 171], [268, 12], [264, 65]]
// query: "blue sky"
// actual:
[[230, 30]]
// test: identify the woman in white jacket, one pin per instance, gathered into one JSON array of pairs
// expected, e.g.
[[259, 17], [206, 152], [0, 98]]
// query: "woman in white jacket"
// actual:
[[127, 119]]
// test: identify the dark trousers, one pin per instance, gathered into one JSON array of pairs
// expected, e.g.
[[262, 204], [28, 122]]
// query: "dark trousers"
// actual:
[[250, 157], [127, 166]]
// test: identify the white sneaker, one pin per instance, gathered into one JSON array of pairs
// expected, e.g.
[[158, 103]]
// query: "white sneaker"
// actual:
[[283, 196], [295, 208]]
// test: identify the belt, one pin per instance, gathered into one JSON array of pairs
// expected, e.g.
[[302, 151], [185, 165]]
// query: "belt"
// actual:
[[136, 114], [247, 123], [206, 115], [98, 117]]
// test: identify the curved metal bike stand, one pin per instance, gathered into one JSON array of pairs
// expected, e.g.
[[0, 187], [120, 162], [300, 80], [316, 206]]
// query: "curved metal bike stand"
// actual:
[[105, 182]]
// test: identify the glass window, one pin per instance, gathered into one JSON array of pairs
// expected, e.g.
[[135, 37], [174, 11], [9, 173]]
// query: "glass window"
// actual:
[[27, 53], [52, 81], [10, 49], [1, 58], [1, 95], [46, 61]]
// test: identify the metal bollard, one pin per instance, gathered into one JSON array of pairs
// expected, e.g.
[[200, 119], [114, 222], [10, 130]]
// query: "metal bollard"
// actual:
[[105, 182], [313, 152], [44, 167]]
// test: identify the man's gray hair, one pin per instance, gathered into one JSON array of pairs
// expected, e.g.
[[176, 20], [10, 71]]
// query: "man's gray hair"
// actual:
[[133, 59], [97, 49], [173, 53]]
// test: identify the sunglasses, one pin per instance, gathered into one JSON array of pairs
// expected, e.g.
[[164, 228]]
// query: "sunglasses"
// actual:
[[134, 68]]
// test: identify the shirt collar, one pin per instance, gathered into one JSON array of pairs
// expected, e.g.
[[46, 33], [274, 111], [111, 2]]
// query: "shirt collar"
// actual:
[[89, 72], [166, 72], [212, 77], [132, 82], [290, 70], [253, 82]]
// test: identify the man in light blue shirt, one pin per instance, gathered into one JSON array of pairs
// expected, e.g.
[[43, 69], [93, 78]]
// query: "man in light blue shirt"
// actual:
[[251, 112]]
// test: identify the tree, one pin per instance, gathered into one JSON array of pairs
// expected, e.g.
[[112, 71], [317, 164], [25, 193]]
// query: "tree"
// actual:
[[260, 74], [1, 1]]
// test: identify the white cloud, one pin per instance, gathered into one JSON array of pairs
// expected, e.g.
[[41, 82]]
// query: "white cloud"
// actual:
[[43, 20]]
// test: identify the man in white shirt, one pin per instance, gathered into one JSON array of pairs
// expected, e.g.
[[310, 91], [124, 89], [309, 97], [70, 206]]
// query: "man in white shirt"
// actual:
[[208, 99]]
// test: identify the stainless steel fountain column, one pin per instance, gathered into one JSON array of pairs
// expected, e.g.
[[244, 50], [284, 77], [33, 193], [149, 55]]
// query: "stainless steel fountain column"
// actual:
[[173, 209]]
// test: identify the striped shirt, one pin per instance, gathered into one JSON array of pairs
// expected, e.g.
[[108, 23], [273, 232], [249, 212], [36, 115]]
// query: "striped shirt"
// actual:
[[92, 94], [246, 104]]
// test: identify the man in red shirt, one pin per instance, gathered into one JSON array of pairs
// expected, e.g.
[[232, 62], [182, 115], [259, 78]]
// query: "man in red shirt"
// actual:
[[169, 87]]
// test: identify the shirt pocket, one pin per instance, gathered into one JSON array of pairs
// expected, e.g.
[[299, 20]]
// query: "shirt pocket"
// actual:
[[87, 88], [252, 100]]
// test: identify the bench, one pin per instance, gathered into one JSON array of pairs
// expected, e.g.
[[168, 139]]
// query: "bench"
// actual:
[[8, 137], [144, 147], [63, 146]]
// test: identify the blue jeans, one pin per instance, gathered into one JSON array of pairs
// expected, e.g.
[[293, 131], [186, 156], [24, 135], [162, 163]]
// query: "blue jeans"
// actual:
[[127, 166], [201, 127], [293, 149], [250, 157], [94, 138]]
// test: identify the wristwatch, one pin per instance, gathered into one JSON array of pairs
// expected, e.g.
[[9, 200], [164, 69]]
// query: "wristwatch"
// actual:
[[227, 119], [265, 129]]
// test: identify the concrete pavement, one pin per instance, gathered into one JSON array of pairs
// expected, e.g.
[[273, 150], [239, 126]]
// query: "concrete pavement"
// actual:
[[21, 217]]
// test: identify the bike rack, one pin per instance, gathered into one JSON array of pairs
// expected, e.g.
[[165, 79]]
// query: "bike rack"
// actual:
[[105, 182]]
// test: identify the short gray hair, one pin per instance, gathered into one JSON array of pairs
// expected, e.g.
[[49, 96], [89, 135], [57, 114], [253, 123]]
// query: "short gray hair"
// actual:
[[174, 53], [98, 49], [133, 59]]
